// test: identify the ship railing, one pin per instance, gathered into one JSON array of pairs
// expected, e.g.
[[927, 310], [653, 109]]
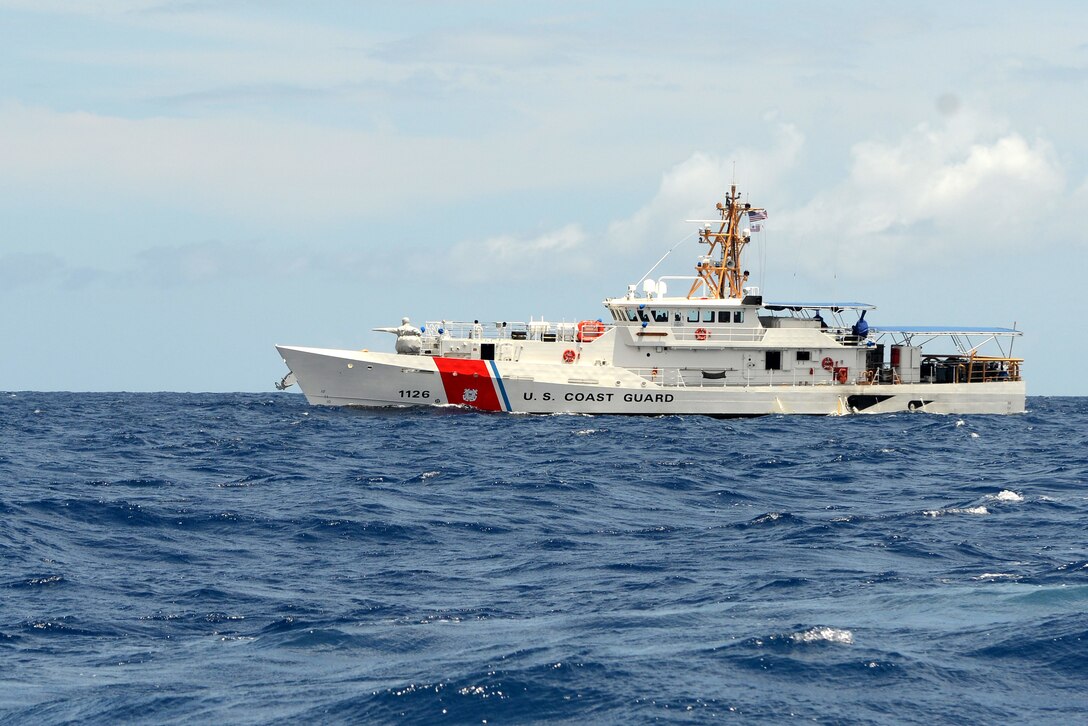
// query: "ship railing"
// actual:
[[959, 368], [845, 336], [733, 377], [508, 330], [984, 369], [953, 368], [715, 333]]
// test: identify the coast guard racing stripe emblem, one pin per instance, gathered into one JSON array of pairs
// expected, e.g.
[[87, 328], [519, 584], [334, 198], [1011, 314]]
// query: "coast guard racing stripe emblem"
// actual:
[[469, 383]]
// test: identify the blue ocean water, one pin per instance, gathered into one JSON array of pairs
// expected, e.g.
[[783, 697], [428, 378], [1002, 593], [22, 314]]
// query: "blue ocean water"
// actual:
[[248, 558]]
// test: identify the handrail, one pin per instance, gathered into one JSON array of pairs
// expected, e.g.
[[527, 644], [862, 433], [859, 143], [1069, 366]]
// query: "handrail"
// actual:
[[714, 332], [533, 330], [739, 377], [985, 368]]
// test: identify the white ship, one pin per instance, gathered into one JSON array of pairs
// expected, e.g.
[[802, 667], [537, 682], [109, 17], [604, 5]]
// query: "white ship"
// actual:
[[718, 349]]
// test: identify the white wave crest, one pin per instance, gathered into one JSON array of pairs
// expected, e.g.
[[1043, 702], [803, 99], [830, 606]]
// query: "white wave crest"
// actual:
[[956, 510], [991, 576], [1007, 495], [823, 634]]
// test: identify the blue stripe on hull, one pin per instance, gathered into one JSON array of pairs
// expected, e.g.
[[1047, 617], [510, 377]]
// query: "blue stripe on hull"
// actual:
[[498, 382]]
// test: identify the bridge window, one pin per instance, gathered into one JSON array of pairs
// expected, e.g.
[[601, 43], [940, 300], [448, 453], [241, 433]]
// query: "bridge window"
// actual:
[[723, 316], [738, 316], [660, 316], [708, 316], [693, 316]]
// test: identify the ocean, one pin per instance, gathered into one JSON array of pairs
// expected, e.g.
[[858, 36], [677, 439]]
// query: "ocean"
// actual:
[[247, 558]]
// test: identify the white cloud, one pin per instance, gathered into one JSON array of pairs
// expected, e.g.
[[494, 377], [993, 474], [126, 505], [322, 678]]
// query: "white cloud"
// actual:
[[276, 171], [520, 258], [966, 188], [477, 47], [629, 246], [691, 189], [30, 269]]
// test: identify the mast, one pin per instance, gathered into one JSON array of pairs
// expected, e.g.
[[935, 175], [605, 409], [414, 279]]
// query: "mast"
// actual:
[[720, 268]]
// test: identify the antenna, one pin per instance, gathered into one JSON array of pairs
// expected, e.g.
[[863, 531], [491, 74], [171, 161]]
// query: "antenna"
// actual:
[[673, 248], [720, 270]]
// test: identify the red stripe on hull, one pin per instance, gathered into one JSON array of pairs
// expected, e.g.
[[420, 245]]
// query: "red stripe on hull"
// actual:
[[468, 382]]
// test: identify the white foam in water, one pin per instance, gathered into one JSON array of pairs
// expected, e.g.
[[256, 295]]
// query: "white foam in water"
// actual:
[[823, 634], [1007, 495], [956, 510], [974, 435], [991, 576]]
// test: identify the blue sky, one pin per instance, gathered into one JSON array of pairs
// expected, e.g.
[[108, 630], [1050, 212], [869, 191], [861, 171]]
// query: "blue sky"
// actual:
[[184, 184]]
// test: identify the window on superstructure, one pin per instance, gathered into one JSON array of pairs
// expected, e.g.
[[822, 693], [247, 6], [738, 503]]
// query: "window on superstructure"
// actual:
[[693, 316], [643, 316], [660, 316], [723, 316], [803, 356], [708, 316], [631, 315], [738, 316], [774, 360]]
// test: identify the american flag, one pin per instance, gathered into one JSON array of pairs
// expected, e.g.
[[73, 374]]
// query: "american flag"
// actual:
[[757, 227], [757, 215]]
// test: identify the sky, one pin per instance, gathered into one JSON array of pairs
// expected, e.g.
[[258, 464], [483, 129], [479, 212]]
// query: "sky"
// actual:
[[185, 184]]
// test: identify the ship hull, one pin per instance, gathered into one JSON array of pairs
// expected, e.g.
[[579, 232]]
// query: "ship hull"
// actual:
[[358, 378]]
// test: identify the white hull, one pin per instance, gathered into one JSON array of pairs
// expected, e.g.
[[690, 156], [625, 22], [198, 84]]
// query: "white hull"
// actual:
[[717, 350], [358, 378]]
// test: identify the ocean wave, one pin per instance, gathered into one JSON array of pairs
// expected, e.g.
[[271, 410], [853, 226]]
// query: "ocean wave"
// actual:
[[272, 561], [977, 510], [824, 634]]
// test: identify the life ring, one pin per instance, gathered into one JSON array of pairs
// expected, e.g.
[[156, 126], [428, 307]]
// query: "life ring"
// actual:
[[569, 356], [840, 375], [827, 363], [590, 330], [701, 334]]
